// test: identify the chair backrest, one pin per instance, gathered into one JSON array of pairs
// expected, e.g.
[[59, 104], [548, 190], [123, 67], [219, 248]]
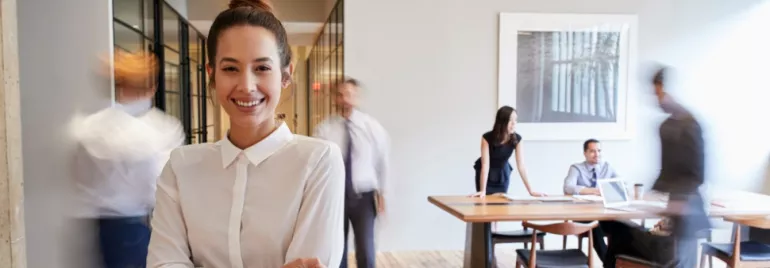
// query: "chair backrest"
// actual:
[[562, 228]]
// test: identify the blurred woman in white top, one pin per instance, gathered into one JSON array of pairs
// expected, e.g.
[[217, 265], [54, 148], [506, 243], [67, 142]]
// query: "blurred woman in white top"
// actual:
[[262, 197], [122, 150]]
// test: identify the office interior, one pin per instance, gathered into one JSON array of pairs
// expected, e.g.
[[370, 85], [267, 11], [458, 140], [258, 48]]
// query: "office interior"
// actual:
[[431, 75]]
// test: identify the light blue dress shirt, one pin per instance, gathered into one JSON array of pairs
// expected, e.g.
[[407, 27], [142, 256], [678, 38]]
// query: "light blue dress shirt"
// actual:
[[581, 175]]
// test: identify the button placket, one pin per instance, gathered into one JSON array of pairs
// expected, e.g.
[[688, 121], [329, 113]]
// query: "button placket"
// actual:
[[236, 211]]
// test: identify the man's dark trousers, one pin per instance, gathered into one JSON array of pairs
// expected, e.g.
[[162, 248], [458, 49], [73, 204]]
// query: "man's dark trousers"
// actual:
[[360, 213]]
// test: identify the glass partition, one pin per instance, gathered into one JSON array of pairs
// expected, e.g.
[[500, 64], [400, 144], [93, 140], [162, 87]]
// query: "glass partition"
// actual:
[[326, 68], [180, 48]]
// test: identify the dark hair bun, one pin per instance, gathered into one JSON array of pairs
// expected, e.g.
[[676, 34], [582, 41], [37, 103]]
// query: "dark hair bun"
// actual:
[[659, 77], [263, 5]]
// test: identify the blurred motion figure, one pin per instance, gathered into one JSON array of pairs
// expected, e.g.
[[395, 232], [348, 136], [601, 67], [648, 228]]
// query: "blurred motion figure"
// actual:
[[673, 241], [122, 150], [365, 146]]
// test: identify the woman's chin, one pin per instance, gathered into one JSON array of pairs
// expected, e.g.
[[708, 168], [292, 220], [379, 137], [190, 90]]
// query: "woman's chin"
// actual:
[[251, 121]]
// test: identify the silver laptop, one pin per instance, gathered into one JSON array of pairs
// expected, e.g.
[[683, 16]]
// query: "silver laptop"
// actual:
[[615, 195]]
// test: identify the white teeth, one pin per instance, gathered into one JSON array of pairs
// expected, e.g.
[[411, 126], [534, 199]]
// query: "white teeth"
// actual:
[[247, 103]]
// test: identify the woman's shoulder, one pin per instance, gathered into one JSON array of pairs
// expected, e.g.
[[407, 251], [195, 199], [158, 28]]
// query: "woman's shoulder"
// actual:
[[515, 139], [192, 154], [315, 148], [489, 136]]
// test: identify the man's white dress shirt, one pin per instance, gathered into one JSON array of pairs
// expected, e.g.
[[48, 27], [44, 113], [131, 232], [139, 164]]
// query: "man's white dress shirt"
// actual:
[[122, 150], [371, 148], [220, 207]]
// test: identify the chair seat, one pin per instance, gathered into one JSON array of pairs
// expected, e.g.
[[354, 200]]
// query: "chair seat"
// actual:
[[515, 234], [750, 250], [638, 261], [555, 258]]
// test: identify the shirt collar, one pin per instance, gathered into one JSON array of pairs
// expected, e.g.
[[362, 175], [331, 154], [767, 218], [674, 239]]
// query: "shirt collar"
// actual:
[[257, 152], [135, 108], [355, 117], [590, 166]]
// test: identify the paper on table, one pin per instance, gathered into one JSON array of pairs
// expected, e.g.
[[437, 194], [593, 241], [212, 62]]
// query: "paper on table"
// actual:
[[589, 197], [543, 198]]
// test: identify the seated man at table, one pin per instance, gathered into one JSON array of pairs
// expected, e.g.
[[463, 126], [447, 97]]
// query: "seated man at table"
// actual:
[[582, 178]]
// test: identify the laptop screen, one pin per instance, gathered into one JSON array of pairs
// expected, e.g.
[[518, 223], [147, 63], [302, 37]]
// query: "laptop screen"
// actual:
[[614, 191]]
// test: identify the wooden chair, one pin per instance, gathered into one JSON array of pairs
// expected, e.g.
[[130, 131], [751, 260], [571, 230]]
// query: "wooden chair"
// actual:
[[557, 258], [516, 236], [740, 254], [580, 238]]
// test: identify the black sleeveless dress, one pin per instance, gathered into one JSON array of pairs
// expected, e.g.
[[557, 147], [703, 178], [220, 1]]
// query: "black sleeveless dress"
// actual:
[[499, 168]]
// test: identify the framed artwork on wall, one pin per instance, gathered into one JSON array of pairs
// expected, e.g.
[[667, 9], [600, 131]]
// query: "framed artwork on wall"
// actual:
[[567, 75]]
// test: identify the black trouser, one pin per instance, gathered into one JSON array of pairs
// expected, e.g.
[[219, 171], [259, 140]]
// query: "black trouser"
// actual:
[[599, 245], [360, 213], [123, 241], [628, 238]]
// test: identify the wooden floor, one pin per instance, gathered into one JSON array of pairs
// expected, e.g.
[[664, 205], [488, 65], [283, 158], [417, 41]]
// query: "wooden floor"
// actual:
[[432, 259], [447, 259]]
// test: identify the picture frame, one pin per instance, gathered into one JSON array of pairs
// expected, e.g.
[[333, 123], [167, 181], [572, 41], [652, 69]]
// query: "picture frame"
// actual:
[[568, 75]]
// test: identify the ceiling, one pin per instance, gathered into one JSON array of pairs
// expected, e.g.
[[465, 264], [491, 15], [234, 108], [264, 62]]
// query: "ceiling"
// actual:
[[286, 10], [302, 18]]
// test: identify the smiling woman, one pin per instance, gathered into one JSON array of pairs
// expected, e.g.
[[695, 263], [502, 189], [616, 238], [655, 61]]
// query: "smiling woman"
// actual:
[[266, 189]]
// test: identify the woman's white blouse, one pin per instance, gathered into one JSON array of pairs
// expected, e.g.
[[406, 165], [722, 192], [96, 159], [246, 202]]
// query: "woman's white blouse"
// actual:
[[278, 200]]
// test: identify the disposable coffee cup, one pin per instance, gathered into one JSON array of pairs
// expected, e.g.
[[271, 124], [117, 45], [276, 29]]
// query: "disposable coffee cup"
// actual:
[[638, 191]]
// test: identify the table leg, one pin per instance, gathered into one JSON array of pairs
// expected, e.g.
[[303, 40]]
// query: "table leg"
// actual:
[[478, 245]]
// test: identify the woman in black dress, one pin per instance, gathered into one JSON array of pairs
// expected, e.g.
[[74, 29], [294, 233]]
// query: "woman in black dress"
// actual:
[[493, 170]]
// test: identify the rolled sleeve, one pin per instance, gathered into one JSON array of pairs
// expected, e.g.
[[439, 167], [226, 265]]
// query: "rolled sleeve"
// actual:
[[318, 232]]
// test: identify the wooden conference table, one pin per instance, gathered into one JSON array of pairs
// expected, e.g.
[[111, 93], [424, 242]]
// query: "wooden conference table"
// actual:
[[478, 213]]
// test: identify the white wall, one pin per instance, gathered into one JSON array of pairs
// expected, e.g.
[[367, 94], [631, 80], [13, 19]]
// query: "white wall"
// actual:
[[432, 70], [59, 45]]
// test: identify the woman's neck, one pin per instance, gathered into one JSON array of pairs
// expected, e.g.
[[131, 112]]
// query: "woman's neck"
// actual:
[[245, 136]]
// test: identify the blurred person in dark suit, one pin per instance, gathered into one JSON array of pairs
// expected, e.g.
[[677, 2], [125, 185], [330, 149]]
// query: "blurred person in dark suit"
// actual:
[[673, 241], [122, 150]]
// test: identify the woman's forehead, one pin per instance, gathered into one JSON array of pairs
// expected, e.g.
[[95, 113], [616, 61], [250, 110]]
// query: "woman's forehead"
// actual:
[[247, 43]]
